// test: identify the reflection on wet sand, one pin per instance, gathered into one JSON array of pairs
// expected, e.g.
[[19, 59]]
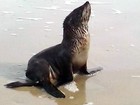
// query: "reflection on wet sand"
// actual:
[[16, 73], [71, 97], [79, 98]]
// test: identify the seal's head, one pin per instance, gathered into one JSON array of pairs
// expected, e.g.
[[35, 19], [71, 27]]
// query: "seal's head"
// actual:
[[79, 16]]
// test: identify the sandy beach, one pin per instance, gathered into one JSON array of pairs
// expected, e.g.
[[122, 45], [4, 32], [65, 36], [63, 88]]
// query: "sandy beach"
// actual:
[[29, 26]]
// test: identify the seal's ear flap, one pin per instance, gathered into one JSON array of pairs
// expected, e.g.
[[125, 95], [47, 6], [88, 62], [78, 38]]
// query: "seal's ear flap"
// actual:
[[51, 89]]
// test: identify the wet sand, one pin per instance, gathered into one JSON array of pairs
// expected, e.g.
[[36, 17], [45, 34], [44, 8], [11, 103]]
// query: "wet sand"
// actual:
[[27, 27]]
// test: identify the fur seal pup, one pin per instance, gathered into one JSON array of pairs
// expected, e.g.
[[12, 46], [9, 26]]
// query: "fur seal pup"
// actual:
[[56, 65]]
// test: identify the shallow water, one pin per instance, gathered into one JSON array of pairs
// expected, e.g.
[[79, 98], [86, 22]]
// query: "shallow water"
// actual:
[[28, 26]]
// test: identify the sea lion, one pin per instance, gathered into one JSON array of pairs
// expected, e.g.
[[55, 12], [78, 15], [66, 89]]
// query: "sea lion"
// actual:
[[60, 62]]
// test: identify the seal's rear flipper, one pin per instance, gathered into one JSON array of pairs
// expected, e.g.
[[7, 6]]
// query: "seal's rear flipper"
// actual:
[[51, 89], [20, 84]]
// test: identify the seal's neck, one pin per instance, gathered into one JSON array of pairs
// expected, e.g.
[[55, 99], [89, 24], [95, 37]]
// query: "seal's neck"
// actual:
[[74, 33], [76, 38]]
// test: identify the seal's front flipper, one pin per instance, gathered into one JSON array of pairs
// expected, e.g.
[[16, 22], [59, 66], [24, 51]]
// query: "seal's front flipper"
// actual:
[[95, 70], [51, 89], [67, 75], [19, 84], [84, 71]]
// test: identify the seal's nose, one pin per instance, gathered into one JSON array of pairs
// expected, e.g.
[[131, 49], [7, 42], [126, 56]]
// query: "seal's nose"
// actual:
[[87, 3], [87, 6]]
